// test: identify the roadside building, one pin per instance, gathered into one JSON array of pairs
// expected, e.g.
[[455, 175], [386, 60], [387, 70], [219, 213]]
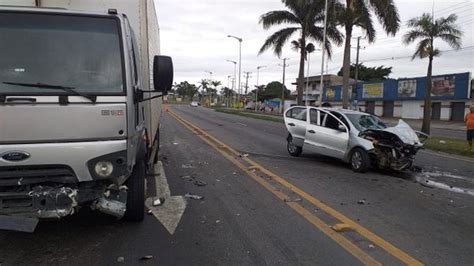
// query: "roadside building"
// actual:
[[312, 86], [404, 98]]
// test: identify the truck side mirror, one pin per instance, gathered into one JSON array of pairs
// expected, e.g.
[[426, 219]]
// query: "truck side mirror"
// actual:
[[162, 73]]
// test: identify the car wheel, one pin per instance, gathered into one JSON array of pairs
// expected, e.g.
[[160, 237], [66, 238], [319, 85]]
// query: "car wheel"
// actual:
[[360, 160], [293, 150], [136, 193]]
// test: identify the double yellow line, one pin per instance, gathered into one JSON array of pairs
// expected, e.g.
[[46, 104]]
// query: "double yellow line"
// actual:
[[252, 168]]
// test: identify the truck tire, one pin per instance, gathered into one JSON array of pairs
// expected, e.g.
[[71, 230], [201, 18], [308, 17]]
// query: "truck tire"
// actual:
[[293, 150], [136, 193], [359, 160]]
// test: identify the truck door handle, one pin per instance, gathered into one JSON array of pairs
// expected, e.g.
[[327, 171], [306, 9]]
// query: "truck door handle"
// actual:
[[291, 124], [311, 131]]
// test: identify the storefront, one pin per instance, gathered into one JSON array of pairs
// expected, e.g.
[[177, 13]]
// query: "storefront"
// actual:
[[451, 96]]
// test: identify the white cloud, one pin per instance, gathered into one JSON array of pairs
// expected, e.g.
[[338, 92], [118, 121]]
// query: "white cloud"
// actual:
[[195, 33]]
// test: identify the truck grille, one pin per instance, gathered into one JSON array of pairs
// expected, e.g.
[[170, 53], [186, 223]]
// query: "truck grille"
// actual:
[[24, 175]]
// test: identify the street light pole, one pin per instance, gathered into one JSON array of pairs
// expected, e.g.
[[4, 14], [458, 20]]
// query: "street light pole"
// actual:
[[256, 91], [235, 73], [210, 92], [240, 62], [283, 85], [323, 44]]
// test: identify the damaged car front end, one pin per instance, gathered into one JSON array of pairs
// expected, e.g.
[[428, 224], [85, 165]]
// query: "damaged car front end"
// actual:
[[394, 148]]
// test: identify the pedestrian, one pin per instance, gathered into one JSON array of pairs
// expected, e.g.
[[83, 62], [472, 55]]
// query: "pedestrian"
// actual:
[[469, 119]]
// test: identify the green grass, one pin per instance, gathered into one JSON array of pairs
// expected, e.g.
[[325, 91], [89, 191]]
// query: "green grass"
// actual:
[[448, 145], [251, 115]]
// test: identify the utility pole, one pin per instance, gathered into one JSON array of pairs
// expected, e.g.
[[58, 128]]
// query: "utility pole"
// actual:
[[247, 81], [283, 85], [323, 48], [256, 91], [357, 60]]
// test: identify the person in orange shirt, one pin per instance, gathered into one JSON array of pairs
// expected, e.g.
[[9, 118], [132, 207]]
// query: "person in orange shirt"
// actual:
[[469, 119]]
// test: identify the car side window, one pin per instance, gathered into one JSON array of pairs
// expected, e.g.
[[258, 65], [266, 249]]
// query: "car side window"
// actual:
[[342, 118], [330, 121], [297, 113], [313, 117]]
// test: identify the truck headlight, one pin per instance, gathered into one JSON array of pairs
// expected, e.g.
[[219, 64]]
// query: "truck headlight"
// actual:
[[104, 168]]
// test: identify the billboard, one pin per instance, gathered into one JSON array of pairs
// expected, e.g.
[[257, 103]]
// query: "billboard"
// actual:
[[407, 88], [443, 86], [330, 94], [374, 90]]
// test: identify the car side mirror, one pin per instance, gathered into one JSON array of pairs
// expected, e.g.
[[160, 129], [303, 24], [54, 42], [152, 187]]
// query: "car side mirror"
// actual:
[[341, 128], [162, 73]]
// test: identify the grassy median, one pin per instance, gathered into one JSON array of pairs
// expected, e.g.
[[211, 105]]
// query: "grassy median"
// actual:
[[251, 115], [448, 145]]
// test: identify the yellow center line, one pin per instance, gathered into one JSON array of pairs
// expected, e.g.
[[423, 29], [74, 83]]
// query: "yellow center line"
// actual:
[[345, 243]]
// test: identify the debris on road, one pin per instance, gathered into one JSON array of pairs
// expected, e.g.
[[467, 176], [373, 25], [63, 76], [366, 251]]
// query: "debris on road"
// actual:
[[149, 212], [192, 196], [200, 183], [442, 142], [186, 166], [371, 246], [120, 259], [218, 221], [342, 228], [292, 200], [361, 202], [147, 257], [187, 177], [243, 155], [159, 202], [234, 173], [175, 143]]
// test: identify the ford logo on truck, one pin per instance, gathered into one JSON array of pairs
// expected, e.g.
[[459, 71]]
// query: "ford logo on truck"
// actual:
[[15, 156]]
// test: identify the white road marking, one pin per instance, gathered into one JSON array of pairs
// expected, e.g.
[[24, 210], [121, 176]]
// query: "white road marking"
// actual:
[[169, 214], [449, 156]]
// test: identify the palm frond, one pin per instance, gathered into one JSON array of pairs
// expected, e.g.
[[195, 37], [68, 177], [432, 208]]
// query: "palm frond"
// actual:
[[423, 49], [387, 13], [277, 40], [412, 35], [278, 17], [453, 40]]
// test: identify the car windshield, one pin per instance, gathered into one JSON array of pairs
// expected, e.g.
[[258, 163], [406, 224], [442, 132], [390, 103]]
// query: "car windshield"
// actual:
[[72, 51], [365, 121]]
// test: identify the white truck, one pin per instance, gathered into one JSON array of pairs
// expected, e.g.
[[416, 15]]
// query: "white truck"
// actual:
[[81, 89]]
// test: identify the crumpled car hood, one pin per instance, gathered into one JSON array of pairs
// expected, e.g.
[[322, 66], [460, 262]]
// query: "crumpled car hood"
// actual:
[[405, 133]]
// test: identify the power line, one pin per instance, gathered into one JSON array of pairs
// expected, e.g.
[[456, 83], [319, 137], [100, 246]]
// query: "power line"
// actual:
[[410, 56]]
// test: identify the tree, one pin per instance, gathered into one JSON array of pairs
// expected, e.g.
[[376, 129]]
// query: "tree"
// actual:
[[273, 90], [184, 89], [359, 13], [426, 30], [305, 15], [368, 73]]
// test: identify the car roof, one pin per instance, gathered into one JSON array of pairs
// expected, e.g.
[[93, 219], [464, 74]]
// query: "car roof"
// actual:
[[340, 110]]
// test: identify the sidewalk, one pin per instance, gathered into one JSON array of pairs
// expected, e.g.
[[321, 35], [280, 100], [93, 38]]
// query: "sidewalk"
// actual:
[[414, 123]]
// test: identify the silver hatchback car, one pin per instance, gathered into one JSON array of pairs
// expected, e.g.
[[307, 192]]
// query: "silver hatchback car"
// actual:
[[360, 139]]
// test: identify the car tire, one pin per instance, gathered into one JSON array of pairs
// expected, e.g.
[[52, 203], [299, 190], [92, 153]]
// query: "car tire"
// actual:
[[136, 193], [359, 160], [293, 150]]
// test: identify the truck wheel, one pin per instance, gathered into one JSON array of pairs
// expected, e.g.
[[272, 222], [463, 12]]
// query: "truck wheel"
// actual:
[[360, 160], [136, 193], [293, 150]]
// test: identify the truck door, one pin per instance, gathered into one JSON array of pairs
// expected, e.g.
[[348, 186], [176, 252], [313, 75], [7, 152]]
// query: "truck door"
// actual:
[[326, 134]]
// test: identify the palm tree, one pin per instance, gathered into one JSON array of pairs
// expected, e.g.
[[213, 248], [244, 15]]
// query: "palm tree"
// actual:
[[304, 15], [426, 30], [296, 45], [359, 13]]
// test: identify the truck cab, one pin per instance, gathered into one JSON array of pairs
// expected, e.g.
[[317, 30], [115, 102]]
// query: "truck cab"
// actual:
[[80, 100]]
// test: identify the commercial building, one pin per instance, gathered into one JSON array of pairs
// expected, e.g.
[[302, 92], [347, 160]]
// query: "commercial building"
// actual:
[[451, 96], [312, 86]]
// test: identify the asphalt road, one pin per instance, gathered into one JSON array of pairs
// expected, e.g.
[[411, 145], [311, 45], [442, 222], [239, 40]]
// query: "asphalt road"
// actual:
[[240, 222]]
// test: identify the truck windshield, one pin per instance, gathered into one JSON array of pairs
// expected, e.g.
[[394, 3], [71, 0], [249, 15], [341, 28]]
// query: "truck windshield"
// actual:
[[80, 52]]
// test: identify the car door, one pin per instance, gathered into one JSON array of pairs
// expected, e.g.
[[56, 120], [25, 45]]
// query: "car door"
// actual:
[[326, 134], [295, 121]]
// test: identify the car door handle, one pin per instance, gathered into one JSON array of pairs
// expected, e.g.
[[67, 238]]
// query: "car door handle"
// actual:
[[291, 124], [311, 131]]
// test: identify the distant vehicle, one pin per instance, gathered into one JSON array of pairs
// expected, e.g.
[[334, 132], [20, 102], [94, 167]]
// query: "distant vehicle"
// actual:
[[360, 139], [194, 104]]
